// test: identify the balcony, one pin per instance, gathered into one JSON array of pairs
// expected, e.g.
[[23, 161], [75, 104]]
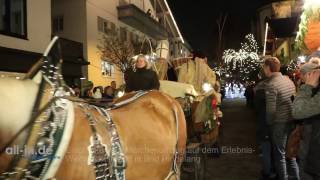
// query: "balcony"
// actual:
[[136, 18]]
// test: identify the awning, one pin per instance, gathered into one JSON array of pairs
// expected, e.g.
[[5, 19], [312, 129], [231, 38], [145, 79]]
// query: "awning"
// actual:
[[284, 27], [14, 60]]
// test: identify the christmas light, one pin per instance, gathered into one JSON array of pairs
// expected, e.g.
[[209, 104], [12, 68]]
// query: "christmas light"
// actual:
[[244, 61]]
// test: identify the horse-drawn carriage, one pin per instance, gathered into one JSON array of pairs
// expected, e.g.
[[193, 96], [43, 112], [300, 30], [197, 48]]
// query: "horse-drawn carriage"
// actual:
[[46, 133], [198, 93]]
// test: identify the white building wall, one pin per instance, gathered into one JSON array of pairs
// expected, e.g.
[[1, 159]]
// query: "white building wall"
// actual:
[[38, 28]]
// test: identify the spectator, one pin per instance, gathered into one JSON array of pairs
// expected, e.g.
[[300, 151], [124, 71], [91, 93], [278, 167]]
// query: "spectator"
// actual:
[[88, 86], [108, 93], [97, 92], [249, 94], [263, 132], [314, 58], [77, 91], [279, 90], [113, 85], [307, 105], [143, 78]]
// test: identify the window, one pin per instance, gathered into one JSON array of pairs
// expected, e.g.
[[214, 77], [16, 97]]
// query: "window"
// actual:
[[13, 18], [107, 68], [106, 27], [57, 24]]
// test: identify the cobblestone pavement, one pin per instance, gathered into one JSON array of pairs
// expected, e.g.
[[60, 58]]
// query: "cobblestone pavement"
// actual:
[[239, 159]]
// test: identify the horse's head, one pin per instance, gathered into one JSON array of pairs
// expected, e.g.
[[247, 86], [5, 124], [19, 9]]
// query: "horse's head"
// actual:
[[19, 98]]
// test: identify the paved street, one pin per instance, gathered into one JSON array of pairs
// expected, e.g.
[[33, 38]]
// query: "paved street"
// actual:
[[239, 159]]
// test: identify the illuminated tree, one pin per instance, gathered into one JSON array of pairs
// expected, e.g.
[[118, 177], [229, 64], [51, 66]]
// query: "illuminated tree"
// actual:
[[244, 64]]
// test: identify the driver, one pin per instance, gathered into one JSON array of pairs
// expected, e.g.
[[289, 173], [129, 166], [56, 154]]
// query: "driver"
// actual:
[[143, 77]]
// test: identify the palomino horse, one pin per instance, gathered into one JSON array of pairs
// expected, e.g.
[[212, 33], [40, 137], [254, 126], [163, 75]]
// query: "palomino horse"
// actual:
[[46, 134]]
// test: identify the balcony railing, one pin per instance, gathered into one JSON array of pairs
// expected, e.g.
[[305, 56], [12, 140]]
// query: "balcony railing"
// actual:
[[133, 16]]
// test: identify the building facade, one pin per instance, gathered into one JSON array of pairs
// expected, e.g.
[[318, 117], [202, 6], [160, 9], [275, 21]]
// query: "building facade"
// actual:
[[86, 21], [25, 32], [282, 18], [27, 26]]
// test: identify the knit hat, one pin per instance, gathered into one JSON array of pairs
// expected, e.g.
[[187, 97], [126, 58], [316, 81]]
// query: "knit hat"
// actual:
[[308, 67]]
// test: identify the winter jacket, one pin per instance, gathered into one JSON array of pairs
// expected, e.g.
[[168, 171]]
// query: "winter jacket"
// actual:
[[142, 79], [279, 90], [307, 106], [263, 131]]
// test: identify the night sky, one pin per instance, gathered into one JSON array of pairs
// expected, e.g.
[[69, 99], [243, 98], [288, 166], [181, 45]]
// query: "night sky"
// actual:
[[197, 21]]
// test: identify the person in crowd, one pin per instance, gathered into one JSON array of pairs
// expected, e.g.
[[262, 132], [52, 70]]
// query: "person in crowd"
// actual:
[[306, 107], [249, 94], [77, 91], [97, 92], [143, 77], [263, 132], [88, 91], [314, 57], [115, 90], [108, 93], [113, 85], [278, 91]]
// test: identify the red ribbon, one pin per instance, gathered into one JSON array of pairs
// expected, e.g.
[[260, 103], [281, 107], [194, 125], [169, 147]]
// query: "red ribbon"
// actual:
[[214, 103]]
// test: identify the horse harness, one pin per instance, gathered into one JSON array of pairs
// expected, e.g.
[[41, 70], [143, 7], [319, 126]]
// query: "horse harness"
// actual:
[[48, 126], [107, 165]]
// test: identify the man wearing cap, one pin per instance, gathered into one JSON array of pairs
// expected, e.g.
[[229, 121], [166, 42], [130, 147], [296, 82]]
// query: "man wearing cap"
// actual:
[[306, 106], [278, 91]]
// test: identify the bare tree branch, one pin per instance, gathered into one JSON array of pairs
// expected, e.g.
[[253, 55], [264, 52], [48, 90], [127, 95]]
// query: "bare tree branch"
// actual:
[[116, 52]]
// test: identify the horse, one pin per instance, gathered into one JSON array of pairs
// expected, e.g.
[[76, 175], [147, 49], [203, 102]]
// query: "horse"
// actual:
[[47, 134]]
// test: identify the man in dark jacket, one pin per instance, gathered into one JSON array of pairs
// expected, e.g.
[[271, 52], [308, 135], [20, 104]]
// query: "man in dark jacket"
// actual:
[[307, 105], [263, 132], [142, 78], [279, 90]]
